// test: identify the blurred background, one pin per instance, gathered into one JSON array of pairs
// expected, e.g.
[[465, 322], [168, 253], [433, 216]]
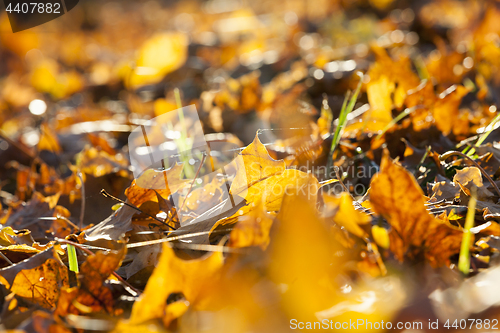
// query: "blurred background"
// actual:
[[73, 89]]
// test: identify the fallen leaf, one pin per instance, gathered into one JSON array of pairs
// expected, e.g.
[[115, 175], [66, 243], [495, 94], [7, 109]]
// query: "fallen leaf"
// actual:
[[38, 279], [471, 176], [395, 194], [40, 215]]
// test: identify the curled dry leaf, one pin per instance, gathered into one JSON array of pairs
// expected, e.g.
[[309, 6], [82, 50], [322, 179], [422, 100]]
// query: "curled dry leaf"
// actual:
[[40, 216], [471, 176], [395, 194]]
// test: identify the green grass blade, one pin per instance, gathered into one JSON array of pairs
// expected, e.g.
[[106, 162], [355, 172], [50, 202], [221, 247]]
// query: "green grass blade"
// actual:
[[346, 109], [486, 134], [182, 142], [393, 122], [73, 261], [464, 257]]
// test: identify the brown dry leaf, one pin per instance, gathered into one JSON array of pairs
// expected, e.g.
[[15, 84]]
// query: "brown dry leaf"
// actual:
[[489, 160], [395, 194], [39, 215], [471, 176], [153, 182], [17, 253], [42, 284], [114, 226], [174, 275], [97, 268], [38, 279], [444, 190], [99, 141]]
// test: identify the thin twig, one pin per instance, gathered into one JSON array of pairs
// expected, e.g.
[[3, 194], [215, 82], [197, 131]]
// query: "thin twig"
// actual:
[[337, 173], [5, 258], [21, 148], [179, 237], [451, 153], [59, 217], [417, 169]]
